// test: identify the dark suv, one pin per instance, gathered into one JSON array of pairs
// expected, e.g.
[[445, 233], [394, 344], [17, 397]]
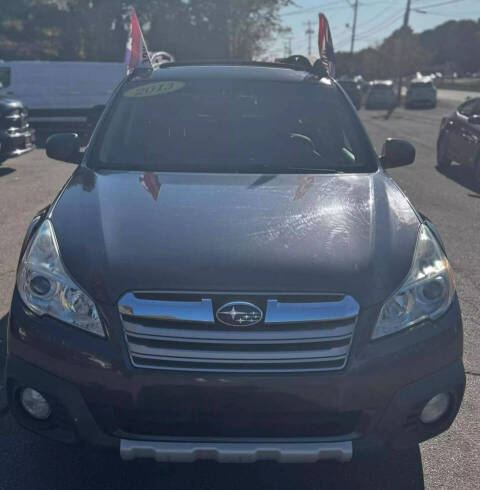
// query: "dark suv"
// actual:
[[231, 274]]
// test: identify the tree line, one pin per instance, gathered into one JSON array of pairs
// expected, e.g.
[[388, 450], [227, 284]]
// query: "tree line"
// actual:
[[450, 47], [96, 30]]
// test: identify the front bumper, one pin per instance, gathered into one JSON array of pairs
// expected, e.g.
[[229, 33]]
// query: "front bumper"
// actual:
[[421, 102], [99, 398], [13, 144]]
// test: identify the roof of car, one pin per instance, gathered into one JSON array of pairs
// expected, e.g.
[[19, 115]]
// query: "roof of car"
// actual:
[[228, 70], [422, 80]]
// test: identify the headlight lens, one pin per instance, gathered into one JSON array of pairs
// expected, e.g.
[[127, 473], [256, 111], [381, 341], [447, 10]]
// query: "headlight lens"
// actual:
[[426, 293], [46, 288]]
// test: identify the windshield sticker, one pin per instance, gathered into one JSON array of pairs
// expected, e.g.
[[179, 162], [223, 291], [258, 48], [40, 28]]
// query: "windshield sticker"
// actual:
[[158, 88]]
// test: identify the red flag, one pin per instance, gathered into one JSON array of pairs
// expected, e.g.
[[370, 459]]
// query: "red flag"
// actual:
[[325, 45], [137, 54]]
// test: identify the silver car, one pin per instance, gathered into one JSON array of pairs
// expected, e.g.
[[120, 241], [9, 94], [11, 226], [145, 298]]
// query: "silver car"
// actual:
[[421, 93]]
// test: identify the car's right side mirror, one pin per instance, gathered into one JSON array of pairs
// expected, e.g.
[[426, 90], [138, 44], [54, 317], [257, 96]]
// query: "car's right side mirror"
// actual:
[[64, 147], [397, 153]]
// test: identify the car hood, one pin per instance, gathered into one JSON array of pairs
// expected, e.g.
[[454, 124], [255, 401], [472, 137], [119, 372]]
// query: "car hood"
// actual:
[[121, 231]]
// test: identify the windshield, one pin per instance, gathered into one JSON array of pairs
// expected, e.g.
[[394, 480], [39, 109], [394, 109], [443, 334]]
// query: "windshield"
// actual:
[[382, 87], [234, 126]]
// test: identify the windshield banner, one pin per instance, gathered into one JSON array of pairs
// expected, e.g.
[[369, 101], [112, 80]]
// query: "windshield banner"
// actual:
[[137, 54], [325, 45]]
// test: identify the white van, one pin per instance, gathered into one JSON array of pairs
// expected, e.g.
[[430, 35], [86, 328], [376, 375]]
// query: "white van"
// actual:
[[61, 95]]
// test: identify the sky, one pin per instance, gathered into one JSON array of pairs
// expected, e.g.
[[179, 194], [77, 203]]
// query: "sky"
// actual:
[[376, 20]]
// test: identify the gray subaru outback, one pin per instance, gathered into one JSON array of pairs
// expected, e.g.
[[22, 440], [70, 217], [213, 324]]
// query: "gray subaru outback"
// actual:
[[231, 274]]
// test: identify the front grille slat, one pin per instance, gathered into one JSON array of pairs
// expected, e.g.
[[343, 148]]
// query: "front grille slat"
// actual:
[[199, 333], [244, 344], [238, 367], [316, 335], [244, 356]]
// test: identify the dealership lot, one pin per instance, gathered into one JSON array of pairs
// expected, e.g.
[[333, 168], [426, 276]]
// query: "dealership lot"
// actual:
[[29, 183]]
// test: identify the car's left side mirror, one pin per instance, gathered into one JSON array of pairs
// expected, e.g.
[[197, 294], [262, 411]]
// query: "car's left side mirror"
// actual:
[[64, 147], [397, 153], [474, 119]]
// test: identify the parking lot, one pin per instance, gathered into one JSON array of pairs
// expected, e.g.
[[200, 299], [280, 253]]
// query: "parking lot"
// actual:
[[451, 461]]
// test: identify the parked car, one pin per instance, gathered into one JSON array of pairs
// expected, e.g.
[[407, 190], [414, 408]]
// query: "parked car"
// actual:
[[381, 95], [421, 93], [16, 135], [353, 90], [459, 138], [241, 280]]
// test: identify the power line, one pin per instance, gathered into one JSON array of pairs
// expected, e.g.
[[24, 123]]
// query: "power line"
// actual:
[[441, 3], [382, 25], [331, 5]]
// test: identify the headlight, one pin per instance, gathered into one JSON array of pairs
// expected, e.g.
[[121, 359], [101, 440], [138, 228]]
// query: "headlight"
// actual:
[[46, 288], [426, 293]]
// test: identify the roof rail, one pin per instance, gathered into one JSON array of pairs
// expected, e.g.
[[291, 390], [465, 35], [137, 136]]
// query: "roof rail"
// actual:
[[303, 63], [297, 62]]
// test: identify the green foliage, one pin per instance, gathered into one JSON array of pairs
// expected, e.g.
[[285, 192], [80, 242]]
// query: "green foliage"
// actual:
[[96, 30]]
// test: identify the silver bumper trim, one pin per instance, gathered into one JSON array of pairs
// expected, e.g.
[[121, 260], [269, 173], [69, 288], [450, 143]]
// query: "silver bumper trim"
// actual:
[[237, 452]]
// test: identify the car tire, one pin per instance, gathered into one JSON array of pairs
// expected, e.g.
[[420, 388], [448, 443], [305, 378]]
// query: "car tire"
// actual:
[[442, 159]]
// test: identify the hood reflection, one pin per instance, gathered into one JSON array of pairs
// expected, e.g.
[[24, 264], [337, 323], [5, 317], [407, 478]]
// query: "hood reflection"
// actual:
[[151, 183]]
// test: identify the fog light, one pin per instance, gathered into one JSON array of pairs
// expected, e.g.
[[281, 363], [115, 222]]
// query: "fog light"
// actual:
[[35, 404], [435, 409]]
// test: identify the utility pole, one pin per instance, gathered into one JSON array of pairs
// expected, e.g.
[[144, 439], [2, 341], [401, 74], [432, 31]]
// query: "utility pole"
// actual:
[[406, 20], [309, 32], [354, 26], [287, 47]]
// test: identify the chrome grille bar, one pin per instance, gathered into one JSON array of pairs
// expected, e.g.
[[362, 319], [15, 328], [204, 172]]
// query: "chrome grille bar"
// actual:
[[197, 311], [182, 334], [278, 312]]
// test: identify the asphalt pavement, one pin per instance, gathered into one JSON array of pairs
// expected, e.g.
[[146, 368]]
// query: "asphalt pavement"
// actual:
[[456, 96], [450, 461]]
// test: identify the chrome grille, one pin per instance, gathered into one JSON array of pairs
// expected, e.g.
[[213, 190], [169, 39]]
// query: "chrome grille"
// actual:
[[179, 332], [16, 120]]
